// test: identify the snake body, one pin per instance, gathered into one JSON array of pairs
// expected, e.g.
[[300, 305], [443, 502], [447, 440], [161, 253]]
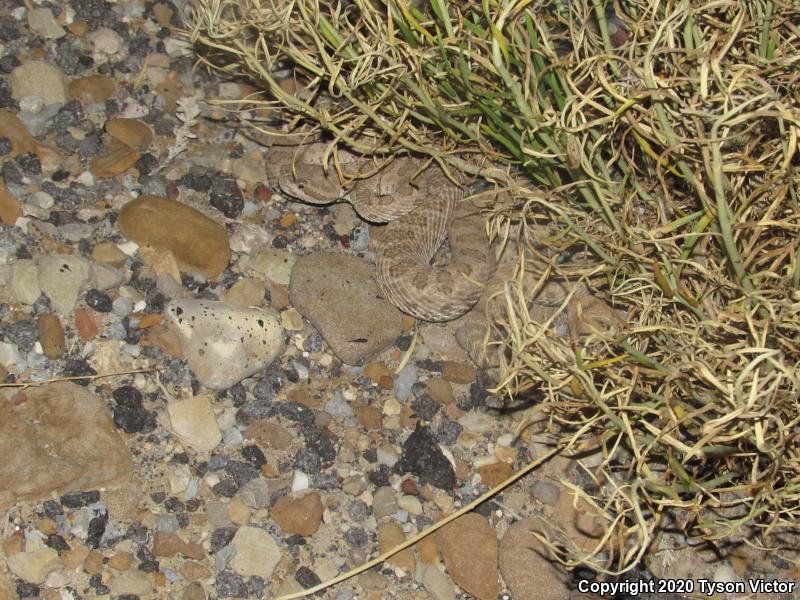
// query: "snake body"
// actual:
[[422, 207]]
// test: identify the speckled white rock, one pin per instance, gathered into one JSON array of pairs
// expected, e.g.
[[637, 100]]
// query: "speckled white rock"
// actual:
[[25, 281], [61, 278], [256, 552], [194, 423], [224, 343]]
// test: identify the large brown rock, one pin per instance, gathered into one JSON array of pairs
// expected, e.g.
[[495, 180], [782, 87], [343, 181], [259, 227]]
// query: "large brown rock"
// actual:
[[198, 243], [469, 549], [340, 296], [58, 438]]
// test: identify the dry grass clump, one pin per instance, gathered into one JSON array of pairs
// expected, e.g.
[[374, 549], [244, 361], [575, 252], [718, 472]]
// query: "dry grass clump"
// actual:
[[664, 135]]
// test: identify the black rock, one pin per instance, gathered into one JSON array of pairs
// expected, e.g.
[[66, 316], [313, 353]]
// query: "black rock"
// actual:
[[230, 585], [356, 537], [423, 457], [76, 367], [306, 577], [99, 301], [254, 455], [30, 164], [97, 527], [24, 334], [226, 196], [26, 589], [220, 538], [57, 543], [5, 146], [79, 499]]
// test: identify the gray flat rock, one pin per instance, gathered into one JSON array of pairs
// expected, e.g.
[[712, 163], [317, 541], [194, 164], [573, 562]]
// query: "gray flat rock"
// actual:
[[339, 295]]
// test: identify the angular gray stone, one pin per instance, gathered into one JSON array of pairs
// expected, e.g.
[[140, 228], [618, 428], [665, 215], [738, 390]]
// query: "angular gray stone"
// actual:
[[42, 21], [61, 278], [59, 438], [339, 295], [223, 342]]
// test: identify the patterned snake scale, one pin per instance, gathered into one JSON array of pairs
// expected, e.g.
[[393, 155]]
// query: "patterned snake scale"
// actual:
[[422, 209]]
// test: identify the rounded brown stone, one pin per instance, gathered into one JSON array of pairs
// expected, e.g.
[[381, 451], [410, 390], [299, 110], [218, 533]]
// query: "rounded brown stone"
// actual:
[[131, 132], [51, 336], [301, 515], [457, 372], [198, 243]]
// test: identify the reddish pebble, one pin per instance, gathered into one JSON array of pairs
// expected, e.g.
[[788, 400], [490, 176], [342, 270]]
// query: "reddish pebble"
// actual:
[[409, 487], [262, 193], [85, 324], [19, 398]]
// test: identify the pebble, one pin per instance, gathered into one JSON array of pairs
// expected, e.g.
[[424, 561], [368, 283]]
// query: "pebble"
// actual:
[[495, 473], [116, 161], [41, 79], [383, 502], [404, 381], [106, 41], [33, 566], [440, 390], [274, 264], [299, 515], [75, 447], [469, 549], [130, 583], [25, 281], [61, 278], [51, 336], [546, 492], [423, 457], [256, 552], [91, 89], [410, 504], [291, 320], [10, 207], [225, 343], [437, 584], [525, 565], [198, 243], [457, 372], [132, 132], [339, 295], [194, 423], [42, 21], [390, 535]]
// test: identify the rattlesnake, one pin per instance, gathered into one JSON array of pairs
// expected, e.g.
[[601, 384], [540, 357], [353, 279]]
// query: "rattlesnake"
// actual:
[[422, 208]]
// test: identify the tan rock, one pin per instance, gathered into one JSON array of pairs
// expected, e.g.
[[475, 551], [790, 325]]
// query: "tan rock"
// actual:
[[390, 535], [93, 563], [248, 291], [74, 557], [121, 561], [193, 571], [238, 511], [33, 566], [301, 515], [91, 89], [199, 244], [291, 320], [85, 323], [428, 550], [61, 438], [133, 133], [440, 390], [22, 142], [469, 548], [51, 336], [268, 435], [194, 423], [370, 417], [457, 372], [376, 371], [109, 253], [10, 207], [495, 474], [119, 159]]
